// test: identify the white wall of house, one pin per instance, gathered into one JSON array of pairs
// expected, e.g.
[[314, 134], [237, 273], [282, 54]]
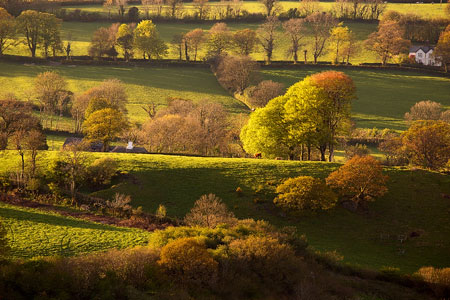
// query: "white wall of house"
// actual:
[[426, 59]]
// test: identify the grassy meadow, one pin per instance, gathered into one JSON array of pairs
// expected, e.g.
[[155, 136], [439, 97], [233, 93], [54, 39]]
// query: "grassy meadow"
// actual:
[[383, 95], [34, 233], [369, 240], [422, 9]]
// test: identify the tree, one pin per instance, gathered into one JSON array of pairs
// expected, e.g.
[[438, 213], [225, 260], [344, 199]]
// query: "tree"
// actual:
[[175, 7], [103, 42], [424, 110], [427, 143], [51, 34], [237, 73], [35, 140], [308, 7], [194, 40], [188, 261], [267, 35], [202, 9], [120, 6], [219, 40], [442, 51], [245, 41], [294, 29], [133, 14], [104, 125], [39, 29], [305, 193], [147, 40], [387, 41], [272, 7], [8, 31], [209, 211], [125, 40], [12, 112], [339, 40], [321, 24], [113, 90], [260, 95], [360, 179]]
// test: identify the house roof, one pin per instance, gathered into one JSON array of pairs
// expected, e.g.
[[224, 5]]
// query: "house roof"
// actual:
[[425, 49], [122, 149]]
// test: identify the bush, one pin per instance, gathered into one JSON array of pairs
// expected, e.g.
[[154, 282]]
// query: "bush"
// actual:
[[361, 179], [209, 211], [187, 260], [101, 171], [356, 150], [305, 193], [258, 96], [439, 278]]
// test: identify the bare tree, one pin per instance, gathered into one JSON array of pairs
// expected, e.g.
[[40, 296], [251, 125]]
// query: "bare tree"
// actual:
[[74, 162], [245, 41], [308, 7], [202, 8], [237, 73], [321, 24], [424, 110], [175, 7], [295, 30], [260, 95], [194, 39], [267, 36], [209, 211], [272, 7]]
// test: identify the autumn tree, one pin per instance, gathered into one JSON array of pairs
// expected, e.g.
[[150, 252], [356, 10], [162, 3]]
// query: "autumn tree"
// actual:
[[174, 7], [267, 35], [104, 125], [113, 90], [442, 51], [219, 40], [427, 143], [295, 30], [424, 110], [148, 41], [209, 211], [51, 34], [387, 42], [8, 31], [272, 7], [339, 40], [304, 193], [125, 40], [263, 92], [187, 260], [237, 73], [245, 41], [12, 112], [120, 5], [39, 29], [194, 39], [360, 180], [35, 140], [308, 7], [320, 24], [103, 42], [202, 9]]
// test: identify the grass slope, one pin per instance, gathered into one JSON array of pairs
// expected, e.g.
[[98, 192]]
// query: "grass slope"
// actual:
[[34, 233], [384, 96], [413, 204]]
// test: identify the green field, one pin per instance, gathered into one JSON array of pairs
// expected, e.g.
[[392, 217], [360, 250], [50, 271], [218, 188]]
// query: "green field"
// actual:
[[369, 240], [383, 95], [423, 9], [34, 233]]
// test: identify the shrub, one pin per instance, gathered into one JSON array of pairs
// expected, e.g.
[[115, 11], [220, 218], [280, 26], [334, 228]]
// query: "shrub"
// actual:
[[305, 193], [439, 278], [161, 212], [188, 261], [356, 150], [119, 205], [209, 211], [361, 179], [424, 110], [101, 171], [259, 95]]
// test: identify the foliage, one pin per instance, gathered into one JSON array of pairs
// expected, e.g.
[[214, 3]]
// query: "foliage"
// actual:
[[387, 42], [356, 150], [209, 211], [427, 143], [147, 40], [119, 205], [187, 260], [218, 40], [8, 30], [245, 41], [125, 40], [101, 171], [439, 278], [304, 193], [442, 51], [161, 212], [103, 42], [104, 125], [360, 179], [237, 73], [424, 110], [50, 89], [259, 95]]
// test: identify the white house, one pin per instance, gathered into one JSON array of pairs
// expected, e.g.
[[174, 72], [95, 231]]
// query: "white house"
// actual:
[[424, 55]]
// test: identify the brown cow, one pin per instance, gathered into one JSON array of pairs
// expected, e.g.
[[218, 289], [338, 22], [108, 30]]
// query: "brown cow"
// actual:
[[258, 155]]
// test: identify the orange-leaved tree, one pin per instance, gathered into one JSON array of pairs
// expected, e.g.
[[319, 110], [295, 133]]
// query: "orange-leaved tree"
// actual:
[[361, 179]]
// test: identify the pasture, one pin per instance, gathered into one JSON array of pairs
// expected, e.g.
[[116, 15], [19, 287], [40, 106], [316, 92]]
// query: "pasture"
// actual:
[[371, 240], [383, 95], [34, 233]]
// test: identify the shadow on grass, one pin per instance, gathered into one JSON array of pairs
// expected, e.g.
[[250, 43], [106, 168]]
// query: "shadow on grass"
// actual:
[[53, 220]]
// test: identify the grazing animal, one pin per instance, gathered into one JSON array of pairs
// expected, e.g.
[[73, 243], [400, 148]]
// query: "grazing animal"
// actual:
[[279, 158], [258, 155]]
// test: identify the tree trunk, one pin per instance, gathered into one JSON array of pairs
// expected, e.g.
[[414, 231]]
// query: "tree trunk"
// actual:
[[322, 149], [331, 155]]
